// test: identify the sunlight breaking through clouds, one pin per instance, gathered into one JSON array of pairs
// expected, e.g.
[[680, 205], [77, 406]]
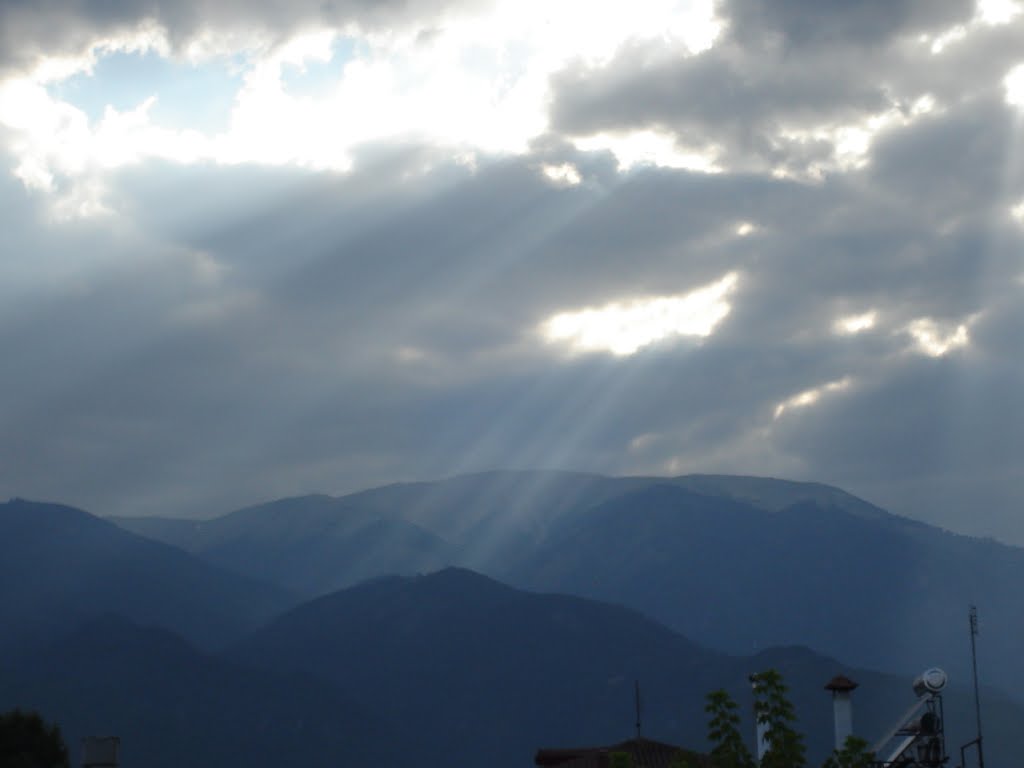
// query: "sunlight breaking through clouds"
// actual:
[[996, 12], [811, 396], [852, 141], [935, 339], [477, 82], [988, 13], [939, 43], [649, 148], [556, 212], [564, 175], [854, 324], [1014, 85], [622, 328]]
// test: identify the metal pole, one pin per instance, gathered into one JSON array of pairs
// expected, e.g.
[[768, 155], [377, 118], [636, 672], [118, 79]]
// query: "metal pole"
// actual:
[[636, 690], [973, 615]]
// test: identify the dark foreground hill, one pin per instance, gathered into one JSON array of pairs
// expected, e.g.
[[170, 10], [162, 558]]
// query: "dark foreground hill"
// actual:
[[736, 563], [60, 566], [447, 669], [478, 673], [173, 706]]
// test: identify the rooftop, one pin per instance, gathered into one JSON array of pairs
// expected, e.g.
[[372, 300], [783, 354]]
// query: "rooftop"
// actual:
[[646, 753]]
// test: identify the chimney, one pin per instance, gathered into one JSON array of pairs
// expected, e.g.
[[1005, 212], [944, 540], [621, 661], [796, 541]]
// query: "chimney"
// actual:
[[842, 707], [100, 751], [762, 728]]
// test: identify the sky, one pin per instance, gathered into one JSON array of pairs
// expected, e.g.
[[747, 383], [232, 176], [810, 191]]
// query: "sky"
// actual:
[[268, 248]]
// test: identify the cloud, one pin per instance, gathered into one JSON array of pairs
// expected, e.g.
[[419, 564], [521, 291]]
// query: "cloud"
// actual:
[[470, 77], [800, 24], [31, 31], [622, 329], [791, 88], [226, 332]]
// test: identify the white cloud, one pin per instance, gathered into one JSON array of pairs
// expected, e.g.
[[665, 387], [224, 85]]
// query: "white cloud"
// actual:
[[852, 141], [853, 324], [649, 147], [939, 43], [996, 12], [937, 339], [988, 13], [811, 396], [643, 442], [476, 82], [1014, 85], [143, 38], [47, 133], [565, 174], [622, 328]]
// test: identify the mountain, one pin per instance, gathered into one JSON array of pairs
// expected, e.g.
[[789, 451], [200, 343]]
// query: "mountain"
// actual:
[[478, 673], [172, 705], [452, 668], [851, 581], [309, 545], [737, 563], [317, 544], [60, 566]]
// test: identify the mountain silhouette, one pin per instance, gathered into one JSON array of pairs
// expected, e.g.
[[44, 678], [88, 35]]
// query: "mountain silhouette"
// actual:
[[60, 566], [736, 563], [477, 672]]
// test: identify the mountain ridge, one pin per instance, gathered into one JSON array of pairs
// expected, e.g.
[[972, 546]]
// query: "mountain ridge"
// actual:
[[60, 565], [776, 561], [454, 653]]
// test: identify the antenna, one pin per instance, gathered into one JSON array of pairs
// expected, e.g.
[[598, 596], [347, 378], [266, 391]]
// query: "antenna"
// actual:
[[973, 618], [636, 690]]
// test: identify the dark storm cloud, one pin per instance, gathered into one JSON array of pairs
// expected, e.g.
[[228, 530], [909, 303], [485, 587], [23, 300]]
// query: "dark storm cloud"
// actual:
[[800, 24], [786, 67], [727, 87], [30, 29]]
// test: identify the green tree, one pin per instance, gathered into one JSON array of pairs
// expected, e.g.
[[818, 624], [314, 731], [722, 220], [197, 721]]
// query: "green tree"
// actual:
[[27, 741], [773, 709], [621, 760], [854, 754], [729, 750]]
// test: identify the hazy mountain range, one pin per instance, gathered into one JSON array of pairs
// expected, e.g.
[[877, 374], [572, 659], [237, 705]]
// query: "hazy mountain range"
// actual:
[[736, 563], [60, 566], [242, 639]]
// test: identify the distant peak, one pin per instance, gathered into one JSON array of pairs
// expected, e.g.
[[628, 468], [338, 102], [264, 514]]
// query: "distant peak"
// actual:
[[45, 510]]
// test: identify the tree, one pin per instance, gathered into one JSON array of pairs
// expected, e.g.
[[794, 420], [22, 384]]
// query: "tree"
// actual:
[[854, 754], [729, 750], [773, 709], [27, 741]]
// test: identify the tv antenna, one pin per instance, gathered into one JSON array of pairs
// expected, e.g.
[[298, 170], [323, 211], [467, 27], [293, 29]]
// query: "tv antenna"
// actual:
[[636, 692], [972, 616]]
